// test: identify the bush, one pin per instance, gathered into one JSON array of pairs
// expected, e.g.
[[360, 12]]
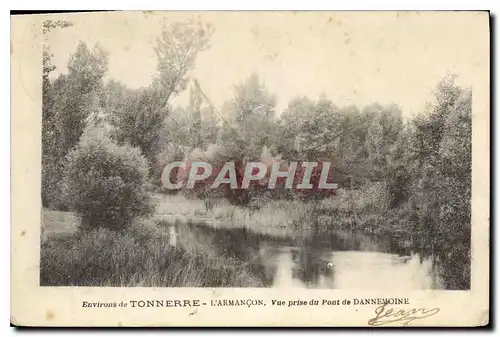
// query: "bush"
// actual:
[[105, 184]]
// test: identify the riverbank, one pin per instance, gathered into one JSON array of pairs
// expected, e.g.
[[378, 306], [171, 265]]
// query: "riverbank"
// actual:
[[200, 255], [185, 244], [141, 256], [284, 218]]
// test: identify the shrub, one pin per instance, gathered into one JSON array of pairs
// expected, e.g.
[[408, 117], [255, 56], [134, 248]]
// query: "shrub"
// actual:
[[374, 198], [105, 184]]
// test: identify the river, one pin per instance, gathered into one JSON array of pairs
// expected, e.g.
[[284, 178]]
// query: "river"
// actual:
[[317, 261]]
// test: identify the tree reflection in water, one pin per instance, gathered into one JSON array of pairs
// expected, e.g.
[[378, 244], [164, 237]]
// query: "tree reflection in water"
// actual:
[[310, 260]]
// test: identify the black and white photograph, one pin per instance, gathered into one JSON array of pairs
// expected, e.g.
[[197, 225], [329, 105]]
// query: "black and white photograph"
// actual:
[[281, 150], [114, 116]]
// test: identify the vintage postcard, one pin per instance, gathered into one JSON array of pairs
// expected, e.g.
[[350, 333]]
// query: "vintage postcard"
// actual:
[[232, 168]]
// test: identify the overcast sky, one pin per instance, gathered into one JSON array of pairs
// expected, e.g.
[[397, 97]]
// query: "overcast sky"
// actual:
[[353, 58]]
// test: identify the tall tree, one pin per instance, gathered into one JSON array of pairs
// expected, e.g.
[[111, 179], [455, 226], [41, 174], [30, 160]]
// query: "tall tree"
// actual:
[[311, 131], [383, 134], [251, 118], [50, 173], [440, 150], [79, 96], [143, 121], [48, 118], [176, 49]]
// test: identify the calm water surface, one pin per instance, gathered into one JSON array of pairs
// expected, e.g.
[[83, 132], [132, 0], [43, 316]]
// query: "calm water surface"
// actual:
[[308, 260]]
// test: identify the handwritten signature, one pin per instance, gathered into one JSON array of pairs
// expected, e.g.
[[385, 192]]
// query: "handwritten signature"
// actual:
[[386, 315]]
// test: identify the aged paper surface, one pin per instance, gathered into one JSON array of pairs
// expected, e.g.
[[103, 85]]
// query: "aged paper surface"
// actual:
[[396, 234]]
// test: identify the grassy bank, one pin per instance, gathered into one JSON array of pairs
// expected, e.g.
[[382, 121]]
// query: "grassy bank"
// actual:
[[138, 257], [343, 212]]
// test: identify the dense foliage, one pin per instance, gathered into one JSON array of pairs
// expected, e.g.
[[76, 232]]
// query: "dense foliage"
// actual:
[[105, 184], [405, 178]]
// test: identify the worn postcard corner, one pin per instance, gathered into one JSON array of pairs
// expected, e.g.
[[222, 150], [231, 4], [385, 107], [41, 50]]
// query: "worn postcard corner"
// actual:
[[241, 168]]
